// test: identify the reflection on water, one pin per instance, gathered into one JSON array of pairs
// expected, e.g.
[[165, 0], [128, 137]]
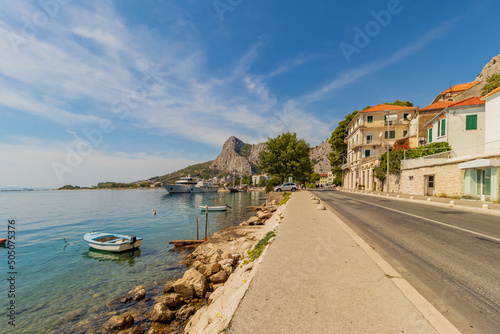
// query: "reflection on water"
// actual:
[[115, 257], [65, 283]]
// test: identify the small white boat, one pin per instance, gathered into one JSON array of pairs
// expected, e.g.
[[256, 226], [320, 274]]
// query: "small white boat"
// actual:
[[110, 242], [214, 208]]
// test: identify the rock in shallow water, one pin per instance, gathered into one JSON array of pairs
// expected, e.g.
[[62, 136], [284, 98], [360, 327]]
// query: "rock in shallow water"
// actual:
[[119, 322], [136, 294], [171, 300], [185, 312], [161, 313]]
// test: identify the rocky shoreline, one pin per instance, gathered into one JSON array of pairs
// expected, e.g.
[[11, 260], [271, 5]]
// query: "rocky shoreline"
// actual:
[[205, 298]]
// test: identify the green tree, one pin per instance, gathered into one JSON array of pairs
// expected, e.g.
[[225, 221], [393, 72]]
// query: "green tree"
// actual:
[[271, 183], [286, 156], [313, 178], [400, 103], [493, 83], [337, 157], [396, 155]]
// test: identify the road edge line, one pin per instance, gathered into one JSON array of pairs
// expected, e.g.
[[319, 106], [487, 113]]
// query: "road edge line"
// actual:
[[430, 313]]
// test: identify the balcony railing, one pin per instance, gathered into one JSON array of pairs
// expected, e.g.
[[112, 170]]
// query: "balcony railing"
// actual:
[[469, 152]]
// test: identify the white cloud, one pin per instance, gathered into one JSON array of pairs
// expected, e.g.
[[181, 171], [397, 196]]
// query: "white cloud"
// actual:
[[31, 166], [353, 75]]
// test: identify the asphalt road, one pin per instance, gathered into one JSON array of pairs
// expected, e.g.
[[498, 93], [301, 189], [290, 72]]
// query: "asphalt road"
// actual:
[[451, 257]]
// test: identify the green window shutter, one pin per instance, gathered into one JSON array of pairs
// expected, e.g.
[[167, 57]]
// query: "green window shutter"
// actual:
[[367, 153], [369, 119], [392, 134], [430, 135], [385, 134], [471, 122], [443, 127]]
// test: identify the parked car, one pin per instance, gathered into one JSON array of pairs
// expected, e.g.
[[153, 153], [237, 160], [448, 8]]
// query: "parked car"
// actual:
[[286, 187]]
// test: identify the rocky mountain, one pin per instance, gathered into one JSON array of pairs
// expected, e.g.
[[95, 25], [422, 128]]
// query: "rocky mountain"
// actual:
[[493, 67], [239, 156], [319, 157]]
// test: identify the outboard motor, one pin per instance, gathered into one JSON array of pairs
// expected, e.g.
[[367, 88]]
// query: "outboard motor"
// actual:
[[133, 240]]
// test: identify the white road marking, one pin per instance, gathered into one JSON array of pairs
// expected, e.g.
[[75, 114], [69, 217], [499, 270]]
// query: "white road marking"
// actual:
[[430, 220]]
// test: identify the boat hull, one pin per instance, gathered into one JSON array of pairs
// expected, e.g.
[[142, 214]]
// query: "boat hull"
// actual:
[[2, 241], [213, 208], [197, 190], [177, 188], [115, 243]]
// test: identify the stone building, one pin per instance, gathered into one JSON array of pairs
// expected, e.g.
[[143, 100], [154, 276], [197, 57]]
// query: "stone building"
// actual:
[[371, 133]]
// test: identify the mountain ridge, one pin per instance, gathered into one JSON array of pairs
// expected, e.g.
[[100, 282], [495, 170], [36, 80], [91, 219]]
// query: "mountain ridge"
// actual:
[[240, 157]]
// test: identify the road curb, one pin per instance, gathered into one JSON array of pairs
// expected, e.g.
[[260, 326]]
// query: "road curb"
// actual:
[[430, 313]]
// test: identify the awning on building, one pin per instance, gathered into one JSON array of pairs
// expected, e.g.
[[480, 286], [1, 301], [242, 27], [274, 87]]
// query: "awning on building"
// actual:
[[480, 163]]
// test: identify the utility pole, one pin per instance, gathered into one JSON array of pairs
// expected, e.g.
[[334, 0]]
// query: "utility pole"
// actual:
[[388, 119]]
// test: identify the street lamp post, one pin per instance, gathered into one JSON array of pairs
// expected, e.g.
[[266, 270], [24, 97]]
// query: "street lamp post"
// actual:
[[388, 119]]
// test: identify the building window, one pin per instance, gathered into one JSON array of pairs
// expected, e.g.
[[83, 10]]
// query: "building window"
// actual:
[[430, 135], [405, 134], [406, 116], [369, 119], [392, 134], [471, 122], [369, 139], [411, 178], [367, 153], [431, 181], [443, 127]]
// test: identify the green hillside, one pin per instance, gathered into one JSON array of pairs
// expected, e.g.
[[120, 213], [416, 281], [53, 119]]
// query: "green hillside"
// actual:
[[199, 170]]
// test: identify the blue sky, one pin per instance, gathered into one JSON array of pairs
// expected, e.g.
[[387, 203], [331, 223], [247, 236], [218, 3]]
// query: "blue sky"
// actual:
[[126, 90]]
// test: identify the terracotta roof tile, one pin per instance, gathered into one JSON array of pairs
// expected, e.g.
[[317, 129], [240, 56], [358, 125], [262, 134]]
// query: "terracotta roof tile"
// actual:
[[438, 105], [473, 101], [384, 107], [494, 91], [461, 87]]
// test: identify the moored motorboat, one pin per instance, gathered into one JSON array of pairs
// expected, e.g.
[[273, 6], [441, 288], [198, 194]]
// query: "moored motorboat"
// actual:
[[181, 186], [214, 208], [205, 187], [111, 242]]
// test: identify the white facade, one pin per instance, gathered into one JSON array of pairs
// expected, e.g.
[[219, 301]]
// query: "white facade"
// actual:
[[453, 125], [492, 118]]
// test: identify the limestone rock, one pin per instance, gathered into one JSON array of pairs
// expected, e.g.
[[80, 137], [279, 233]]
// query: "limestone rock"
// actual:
[[119, 322], [136, 294], [185, 312], [493, 67], [321, 207], [237, 154], [253, 220], [247, 245], [319, 155], [264, 214], [169, 287], [220, 277], [190, 284], [136, 330], [161, 313], [209, 269], [171, 300], [196, 264]]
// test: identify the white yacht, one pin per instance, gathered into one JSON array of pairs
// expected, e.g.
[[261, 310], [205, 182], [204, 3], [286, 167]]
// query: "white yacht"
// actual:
[[183, 185], [204, 187]]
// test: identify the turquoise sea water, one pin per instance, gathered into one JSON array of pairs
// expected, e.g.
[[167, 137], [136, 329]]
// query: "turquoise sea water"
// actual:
[[61, 285]]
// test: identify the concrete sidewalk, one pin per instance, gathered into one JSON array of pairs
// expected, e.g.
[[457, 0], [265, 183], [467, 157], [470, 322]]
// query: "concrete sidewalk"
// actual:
[[319, 277]]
